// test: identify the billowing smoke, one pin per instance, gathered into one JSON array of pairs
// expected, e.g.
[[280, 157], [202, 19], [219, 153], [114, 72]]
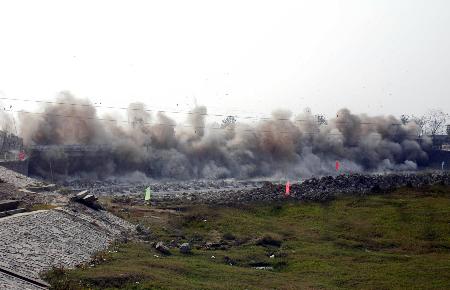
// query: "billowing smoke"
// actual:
[[7, 123], [155, 145]]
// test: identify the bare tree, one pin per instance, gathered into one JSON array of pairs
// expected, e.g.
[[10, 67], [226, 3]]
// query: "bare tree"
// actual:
[[405, 119], [436, 119], [228, 123], [421, 122], [321, 120]]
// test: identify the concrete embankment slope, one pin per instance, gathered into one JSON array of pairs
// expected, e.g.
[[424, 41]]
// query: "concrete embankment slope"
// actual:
[[8, 281], [34, 242]]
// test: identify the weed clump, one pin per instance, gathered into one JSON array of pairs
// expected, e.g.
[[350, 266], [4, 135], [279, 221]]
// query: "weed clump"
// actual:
[[269, 240]]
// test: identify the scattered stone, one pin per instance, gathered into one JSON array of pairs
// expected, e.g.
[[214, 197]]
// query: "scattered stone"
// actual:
[[185, 248], [82, 194], [229, 261], [142, 230], [216, 246], [229, 192], [87, 199], [162, 248], [263, 268]]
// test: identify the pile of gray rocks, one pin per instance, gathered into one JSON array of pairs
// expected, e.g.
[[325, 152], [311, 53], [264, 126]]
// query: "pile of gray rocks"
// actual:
[[118, 186], [314, 189]]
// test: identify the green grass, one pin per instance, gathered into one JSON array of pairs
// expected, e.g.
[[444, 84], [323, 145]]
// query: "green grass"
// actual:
[[395, 241], [41, 206]]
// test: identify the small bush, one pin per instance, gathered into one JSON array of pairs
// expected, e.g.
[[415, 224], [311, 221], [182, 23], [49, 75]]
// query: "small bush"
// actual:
[[58, 279], [269, 240], [229, 236]]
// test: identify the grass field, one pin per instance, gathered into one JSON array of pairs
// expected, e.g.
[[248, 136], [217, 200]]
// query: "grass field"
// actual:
[[399, 240]]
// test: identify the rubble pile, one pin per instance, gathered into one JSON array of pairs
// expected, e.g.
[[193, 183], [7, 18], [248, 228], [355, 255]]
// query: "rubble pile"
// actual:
[[314, 189], [117, 186], [328, 187], [87, 199]]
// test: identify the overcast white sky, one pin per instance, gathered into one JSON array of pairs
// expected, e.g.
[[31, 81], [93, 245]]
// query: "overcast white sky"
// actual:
[[380, 57]]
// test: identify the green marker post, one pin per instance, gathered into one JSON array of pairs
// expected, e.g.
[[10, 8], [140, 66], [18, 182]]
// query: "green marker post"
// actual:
[[147, 195]]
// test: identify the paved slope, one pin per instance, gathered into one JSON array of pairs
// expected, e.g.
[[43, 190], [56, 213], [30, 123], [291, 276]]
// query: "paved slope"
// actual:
[[34, 242]]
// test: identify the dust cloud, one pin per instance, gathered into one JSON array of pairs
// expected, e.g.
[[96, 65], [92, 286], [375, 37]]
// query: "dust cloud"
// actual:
[[152, 143]]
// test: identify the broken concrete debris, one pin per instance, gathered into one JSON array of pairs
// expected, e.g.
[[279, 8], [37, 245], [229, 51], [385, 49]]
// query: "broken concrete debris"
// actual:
[[235, 192], [81, 194], [315, 189], [87, 199], [185, 248], [162, 248]]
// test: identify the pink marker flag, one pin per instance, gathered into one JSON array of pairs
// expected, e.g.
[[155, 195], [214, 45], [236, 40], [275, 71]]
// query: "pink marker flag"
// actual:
[[288, 188], [337, 165], [21, 155]]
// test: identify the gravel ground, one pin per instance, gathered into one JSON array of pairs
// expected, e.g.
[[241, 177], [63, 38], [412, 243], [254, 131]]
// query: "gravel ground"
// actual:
[[19, 180], [115, 186]]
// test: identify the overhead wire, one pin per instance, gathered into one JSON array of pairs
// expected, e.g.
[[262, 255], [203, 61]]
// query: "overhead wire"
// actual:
[[180, 125], [180, 112], [136, 109]]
